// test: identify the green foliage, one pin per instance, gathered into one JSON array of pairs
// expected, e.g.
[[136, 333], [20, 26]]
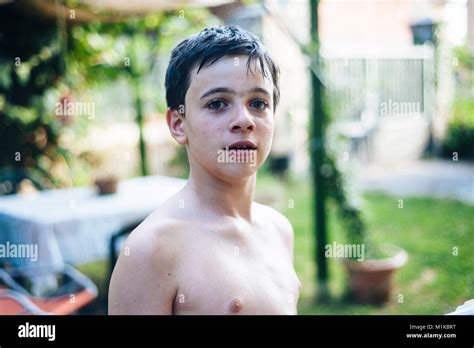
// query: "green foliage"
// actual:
[[179, 164], [130, 49], [104, 51], [338, 185], [350, 214], [465, 57], [41, 63], [29, 68], [459, 137]]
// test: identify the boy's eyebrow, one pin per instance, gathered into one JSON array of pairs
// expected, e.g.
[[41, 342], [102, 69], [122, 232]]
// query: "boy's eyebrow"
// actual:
[[231, 91], [218, 90]]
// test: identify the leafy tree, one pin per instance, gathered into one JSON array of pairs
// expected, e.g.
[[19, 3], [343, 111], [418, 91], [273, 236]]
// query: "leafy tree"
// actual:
[[56, 59], [30, 66]]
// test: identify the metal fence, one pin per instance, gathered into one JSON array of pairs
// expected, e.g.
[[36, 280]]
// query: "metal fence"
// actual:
[[383, 86]]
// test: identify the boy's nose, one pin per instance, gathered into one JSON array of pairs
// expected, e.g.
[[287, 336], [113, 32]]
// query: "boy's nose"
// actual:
[[242, 121]]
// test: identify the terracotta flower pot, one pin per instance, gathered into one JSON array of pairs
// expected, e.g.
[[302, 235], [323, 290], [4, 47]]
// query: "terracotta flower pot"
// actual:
[[370, 281]]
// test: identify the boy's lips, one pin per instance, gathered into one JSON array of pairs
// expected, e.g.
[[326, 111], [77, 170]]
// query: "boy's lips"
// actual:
[[242, 145]]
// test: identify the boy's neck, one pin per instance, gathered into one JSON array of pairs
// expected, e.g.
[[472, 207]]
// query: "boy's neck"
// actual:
[[220, 197]]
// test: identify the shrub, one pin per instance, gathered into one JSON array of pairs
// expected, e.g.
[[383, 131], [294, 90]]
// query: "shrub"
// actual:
[[459, 137]]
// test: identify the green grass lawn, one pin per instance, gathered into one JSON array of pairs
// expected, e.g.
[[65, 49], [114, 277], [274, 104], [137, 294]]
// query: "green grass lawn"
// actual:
[[434, 281]]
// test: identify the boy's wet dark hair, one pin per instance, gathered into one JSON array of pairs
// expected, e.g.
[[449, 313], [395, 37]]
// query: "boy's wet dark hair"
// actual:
[[206, 48]]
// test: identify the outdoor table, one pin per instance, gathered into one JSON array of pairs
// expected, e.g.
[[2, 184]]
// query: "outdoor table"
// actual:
[[75, 225]]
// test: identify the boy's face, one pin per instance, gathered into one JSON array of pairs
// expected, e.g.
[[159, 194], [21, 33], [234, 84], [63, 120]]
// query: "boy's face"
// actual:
[[227, 103]]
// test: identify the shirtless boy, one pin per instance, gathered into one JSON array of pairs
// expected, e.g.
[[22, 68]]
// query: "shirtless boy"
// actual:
[[210, 249]]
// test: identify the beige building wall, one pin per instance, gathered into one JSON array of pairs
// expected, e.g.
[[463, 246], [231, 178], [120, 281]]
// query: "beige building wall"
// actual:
[[292, 114]]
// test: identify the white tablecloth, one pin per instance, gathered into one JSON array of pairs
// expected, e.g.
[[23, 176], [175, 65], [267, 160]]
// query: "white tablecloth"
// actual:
[[75, 225]]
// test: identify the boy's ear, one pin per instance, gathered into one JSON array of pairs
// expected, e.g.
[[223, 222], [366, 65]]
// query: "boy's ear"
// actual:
[[175, 123]]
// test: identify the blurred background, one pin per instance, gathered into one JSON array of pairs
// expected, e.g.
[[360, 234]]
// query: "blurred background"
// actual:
[[374, 144]]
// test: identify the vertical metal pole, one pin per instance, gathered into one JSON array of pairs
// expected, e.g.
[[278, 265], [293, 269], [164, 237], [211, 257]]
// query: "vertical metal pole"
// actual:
[[137, 89], [317, 159], [137, 96]]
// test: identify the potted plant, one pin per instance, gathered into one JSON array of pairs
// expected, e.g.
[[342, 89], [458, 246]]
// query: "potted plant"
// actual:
[[370, 277]]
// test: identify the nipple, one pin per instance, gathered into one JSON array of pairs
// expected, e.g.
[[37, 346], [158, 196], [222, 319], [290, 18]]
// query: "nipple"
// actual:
[[236, 305]]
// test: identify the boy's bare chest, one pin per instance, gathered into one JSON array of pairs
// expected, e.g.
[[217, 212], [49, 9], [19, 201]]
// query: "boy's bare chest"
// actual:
[[225, 277]]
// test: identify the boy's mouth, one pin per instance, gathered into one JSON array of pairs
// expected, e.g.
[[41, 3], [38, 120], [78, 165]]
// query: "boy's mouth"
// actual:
[[242, 145]]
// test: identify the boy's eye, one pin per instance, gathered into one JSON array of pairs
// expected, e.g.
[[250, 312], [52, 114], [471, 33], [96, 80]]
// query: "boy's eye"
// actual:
[[259, 104], [216, 104]]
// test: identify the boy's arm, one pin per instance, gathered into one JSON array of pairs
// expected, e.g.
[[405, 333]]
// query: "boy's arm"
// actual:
[[144, 279]]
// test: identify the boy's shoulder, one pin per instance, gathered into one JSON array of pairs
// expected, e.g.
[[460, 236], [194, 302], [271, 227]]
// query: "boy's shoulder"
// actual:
[[270, 212], [150, 255], [157, 231], [278, 220], [163, 226]]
